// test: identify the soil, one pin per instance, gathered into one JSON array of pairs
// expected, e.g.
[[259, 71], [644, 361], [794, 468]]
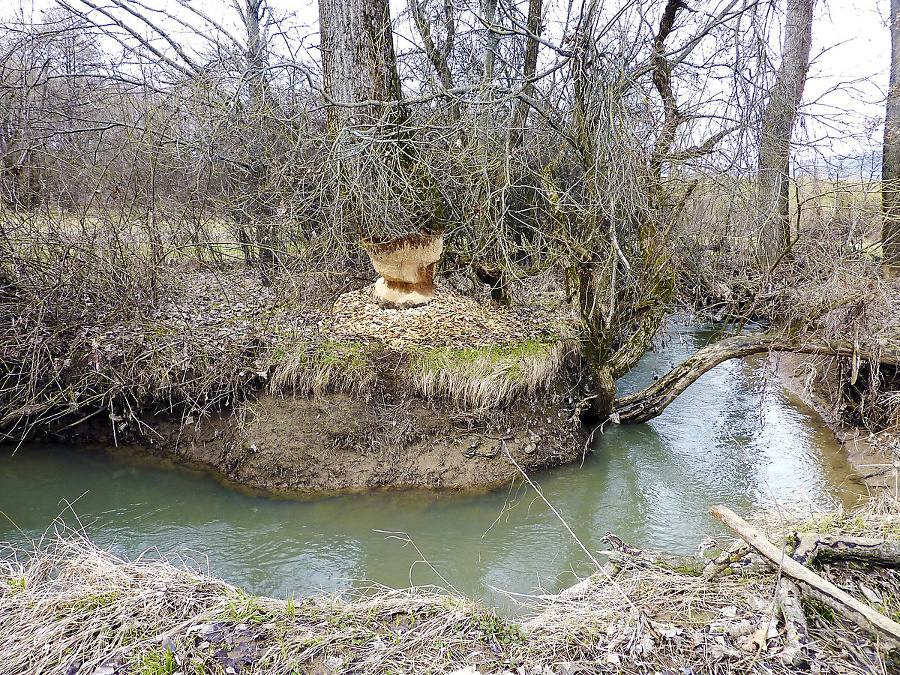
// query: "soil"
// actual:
[[874, 456], [338, 442]]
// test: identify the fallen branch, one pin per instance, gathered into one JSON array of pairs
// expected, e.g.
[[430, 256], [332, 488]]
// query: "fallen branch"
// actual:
[[722, 562], [822, 589], [812, 547], [24, 412], [787, 596], [625, 555]]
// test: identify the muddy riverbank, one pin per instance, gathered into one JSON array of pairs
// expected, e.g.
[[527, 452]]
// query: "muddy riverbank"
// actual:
[[338, 441], [815, 380]]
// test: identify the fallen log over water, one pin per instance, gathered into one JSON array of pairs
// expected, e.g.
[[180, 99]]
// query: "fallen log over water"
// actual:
[[651, 401]]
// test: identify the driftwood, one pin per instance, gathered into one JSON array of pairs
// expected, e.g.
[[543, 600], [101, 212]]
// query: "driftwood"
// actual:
[[811, 547], [722, 562], [821, 589], [623, 554], [683, 564], [651, 401], [787, 596]]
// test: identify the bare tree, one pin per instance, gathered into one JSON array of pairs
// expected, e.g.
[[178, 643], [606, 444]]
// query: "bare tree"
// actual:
[[890, 163], [778, 126], [529, 68], [438, 56]]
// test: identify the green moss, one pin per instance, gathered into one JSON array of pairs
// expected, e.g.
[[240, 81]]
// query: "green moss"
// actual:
[[822, 610]]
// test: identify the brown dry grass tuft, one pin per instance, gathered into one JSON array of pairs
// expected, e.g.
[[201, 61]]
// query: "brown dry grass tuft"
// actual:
[[67, 603], [481, 379], [308, 370]]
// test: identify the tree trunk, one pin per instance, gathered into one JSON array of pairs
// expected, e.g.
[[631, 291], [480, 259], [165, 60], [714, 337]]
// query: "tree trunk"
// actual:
[[439, 58], [261, 103], [777, 129], [529, 66], [890, 163], [653, 400], [360, 69], [358, 59], [493, 39]]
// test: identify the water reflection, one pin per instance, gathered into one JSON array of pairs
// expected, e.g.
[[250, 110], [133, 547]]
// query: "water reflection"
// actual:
[[734, 437]]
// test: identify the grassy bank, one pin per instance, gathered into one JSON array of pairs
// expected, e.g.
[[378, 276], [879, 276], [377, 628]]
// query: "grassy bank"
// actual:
[[68, 607], [208, 340]]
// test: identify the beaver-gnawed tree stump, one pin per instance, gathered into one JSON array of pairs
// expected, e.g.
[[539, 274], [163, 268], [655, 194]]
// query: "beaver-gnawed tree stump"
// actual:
[[406, 266]]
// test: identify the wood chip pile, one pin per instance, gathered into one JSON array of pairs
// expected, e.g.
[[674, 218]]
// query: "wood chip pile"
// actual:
[[450, 320]]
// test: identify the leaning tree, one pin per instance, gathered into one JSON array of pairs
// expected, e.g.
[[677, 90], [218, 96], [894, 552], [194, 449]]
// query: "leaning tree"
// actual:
[[639, 123]]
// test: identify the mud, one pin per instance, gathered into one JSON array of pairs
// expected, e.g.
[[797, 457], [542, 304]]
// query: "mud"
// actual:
[[873, 455], [340, 442]]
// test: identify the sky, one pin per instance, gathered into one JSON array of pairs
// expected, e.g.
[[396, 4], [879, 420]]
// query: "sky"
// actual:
[[849, 73], [845, 92]]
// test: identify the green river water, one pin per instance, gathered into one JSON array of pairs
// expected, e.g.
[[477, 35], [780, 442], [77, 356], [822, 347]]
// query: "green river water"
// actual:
[[735, 437]]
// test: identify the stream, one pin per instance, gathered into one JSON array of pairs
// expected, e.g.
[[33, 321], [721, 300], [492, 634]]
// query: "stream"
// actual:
[[735, 437]]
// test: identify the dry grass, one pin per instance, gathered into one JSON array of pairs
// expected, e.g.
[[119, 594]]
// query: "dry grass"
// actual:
[[67, 603], [313, 370], [480, 379], [91, 322]]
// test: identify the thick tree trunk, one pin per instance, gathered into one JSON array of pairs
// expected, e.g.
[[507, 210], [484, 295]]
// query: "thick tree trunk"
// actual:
[[358, 59], [652, 401], [777, 129], [812, 547], [890, 163], [360, 70]]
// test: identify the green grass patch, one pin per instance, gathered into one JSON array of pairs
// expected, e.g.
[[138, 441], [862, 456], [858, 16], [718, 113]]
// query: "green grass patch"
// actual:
[[508, 358], [486, 377], [155, 662], [331, 365], [93, 602], [244, 608]]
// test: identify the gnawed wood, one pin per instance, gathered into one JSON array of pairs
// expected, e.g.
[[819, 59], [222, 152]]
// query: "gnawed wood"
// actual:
[[651, 401], [821, 589], [811, 547]]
